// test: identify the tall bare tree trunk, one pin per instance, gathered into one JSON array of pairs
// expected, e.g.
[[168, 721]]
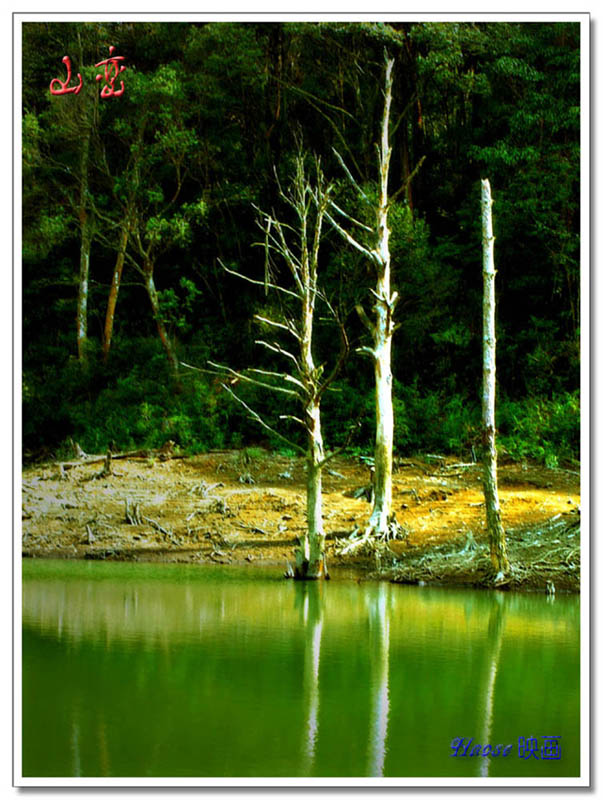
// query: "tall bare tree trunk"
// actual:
[[310, 558], [114, 290], [382, 332], [496, 533], [381, 327]]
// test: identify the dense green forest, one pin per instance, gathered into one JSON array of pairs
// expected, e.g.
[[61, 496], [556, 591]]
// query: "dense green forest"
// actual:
[[154, 191]]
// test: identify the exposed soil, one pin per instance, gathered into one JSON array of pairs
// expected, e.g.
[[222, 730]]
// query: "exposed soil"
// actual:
[[248, 506]]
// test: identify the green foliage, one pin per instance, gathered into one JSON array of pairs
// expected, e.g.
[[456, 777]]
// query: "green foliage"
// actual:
[[177, 307], [541, 429], [349, 404], [30, 141], [255, 453], [136, 408], [433, 421], [455, 335], [209, 111]]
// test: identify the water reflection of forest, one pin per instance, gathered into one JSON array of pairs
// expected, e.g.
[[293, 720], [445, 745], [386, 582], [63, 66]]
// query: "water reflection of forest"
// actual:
[[124, 604], [377, 666]]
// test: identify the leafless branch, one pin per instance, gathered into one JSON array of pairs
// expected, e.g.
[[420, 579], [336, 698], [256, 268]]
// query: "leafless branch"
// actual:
[[292, 261], [295, 419], [276, 348], [198, 369], [366, 351], [258, 283], [338, 132], [350, 239], [286, 326], [351, 178], [223, 370], [318, 99], [255, 416], [284, 376], [353, 428], [365, 320], [399, 191], [351, 219]]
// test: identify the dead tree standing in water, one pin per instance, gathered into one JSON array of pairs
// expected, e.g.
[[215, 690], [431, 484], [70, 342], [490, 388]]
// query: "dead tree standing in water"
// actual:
[[297, 246]]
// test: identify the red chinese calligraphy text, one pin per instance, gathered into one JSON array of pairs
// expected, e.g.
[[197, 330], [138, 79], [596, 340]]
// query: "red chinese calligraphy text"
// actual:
[[57, 86], [112, 70]]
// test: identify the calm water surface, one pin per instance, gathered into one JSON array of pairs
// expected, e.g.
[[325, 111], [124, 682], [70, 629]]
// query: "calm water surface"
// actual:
[[188, 671]]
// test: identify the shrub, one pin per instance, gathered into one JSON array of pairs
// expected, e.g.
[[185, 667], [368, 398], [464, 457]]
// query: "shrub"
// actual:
[[547, 430], [432, 421]]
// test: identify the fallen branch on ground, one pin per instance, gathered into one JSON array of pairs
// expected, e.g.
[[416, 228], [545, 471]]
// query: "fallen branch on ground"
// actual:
[[89, 459]]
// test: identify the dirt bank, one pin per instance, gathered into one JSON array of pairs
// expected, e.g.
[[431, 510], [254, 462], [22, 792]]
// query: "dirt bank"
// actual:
[[248, 507]]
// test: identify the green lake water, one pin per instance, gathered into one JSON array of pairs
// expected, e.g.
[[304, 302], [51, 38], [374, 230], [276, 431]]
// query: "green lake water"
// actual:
[[136, 670]]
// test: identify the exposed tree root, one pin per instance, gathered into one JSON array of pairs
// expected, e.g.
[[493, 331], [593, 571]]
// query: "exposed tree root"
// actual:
[[377, 533], [133, 516], [545, 558]]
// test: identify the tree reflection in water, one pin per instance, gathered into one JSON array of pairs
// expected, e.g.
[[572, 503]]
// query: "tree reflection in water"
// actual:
[[379, 657], [309, 598], [495, 637]]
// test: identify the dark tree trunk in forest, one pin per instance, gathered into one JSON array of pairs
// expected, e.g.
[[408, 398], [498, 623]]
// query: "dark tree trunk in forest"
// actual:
[[114, 291], [496, 533], [85, 246], [406, 169], [86, 111], [161, 329]]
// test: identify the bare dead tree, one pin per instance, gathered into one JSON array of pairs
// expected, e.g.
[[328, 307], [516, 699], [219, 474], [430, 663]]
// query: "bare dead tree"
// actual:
[[296, 245], [381, 327], [496, 533]]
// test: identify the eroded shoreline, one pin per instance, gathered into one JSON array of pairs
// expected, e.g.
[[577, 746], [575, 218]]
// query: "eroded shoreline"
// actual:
[[247, 507]]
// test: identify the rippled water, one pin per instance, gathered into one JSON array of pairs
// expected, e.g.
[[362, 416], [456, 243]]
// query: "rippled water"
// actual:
[[188, 671]]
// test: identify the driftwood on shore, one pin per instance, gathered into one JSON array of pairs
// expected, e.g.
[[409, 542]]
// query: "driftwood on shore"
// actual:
[[163, 453]]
